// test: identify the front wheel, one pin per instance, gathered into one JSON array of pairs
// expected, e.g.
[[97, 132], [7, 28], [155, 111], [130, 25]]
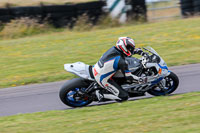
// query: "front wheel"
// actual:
[[170, 84], [70, 93]]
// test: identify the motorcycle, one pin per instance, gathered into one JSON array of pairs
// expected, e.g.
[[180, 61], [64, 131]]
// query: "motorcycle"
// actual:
[[80, 92]]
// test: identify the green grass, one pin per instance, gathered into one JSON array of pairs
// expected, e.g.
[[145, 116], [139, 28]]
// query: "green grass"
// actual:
[[170, 114], [40, 58]]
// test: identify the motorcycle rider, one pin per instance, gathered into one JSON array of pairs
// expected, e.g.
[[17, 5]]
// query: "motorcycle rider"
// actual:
[[112, 61]]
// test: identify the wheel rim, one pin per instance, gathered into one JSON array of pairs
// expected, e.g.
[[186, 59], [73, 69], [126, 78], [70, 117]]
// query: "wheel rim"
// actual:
[[168, 87], [72, 98]]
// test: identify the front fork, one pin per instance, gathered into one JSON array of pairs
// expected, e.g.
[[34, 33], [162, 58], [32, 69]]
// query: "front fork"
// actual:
[[160, 81]]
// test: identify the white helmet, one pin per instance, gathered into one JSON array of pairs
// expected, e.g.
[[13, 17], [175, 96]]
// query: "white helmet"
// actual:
[[126, 45]]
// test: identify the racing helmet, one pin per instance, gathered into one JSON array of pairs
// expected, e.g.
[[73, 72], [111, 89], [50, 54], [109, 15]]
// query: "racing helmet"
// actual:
[[126, 45]]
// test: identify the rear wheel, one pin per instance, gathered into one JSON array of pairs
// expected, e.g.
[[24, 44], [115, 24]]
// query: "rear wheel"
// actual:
[[71, 93], [169, 85]]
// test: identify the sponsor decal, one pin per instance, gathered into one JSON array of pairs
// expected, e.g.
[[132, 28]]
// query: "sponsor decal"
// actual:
[[95, 72]]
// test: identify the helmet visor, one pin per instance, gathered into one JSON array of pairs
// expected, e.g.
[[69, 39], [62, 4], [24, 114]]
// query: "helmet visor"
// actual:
[[131, 49]]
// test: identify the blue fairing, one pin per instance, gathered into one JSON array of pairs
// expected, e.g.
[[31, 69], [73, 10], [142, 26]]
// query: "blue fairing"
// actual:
[[161, 78], [163, 67], [156, 81]]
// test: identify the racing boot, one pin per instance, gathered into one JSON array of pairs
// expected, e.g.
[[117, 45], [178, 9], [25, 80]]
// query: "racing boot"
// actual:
[[103, 97], [99, 95]]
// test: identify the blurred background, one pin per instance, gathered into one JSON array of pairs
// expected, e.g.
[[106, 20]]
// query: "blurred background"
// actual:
[[62, 13], [39, 36]]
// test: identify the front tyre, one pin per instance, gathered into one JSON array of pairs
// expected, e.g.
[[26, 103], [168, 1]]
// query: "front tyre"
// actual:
[[70, 93], [171, 83]]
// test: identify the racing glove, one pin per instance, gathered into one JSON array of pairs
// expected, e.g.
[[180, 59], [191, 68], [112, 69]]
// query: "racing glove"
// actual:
[[139, 51]]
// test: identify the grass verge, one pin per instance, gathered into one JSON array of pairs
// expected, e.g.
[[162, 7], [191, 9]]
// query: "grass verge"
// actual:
[[170, 114], [40, 58], [24, 27]]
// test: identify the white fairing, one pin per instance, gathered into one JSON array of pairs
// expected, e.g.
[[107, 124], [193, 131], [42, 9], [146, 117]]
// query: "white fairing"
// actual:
[[80, 69], [161, 65]]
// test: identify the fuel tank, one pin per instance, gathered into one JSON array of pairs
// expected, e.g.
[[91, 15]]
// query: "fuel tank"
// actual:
[[133, 65]]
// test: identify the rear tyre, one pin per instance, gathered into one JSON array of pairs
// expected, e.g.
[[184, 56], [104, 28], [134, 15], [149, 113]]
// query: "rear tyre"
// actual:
[[69, 93], [171, 85]]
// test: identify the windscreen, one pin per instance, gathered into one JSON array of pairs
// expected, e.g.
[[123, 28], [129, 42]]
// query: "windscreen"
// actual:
[[151, 50]]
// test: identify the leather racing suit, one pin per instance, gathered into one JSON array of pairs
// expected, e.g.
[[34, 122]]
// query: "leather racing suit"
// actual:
[[112, 61]]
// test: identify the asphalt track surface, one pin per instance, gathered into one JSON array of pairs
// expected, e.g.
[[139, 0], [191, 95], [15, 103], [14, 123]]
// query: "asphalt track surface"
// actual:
[[43, 97]]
